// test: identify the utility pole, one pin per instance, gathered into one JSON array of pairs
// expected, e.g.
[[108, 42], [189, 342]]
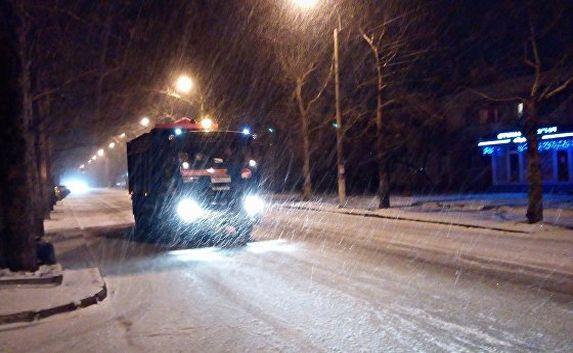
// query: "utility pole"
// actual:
[[339, 128], [202, 107]]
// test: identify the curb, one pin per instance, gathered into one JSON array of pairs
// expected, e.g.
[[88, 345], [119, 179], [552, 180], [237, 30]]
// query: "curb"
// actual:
[[401, 218], [56, 280], [30, 316]]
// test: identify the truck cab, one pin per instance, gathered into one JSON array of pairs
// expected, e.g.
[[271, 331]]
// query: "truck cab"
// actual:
[[188, 182]]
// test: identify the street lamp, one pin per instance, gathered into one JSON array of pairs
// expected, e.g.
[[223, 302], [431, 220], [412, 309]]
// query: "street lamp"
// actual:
[[100, 152], [307, 4], [144, 121], [183, 84], [123, 135], [111, 145]]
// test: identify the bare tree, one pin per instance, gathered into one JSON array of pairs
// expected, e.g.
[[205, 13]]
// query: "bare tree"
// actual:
[[305, 56], [18, 161], [541, 90], [551, 76], [300, 73], [388, 36]]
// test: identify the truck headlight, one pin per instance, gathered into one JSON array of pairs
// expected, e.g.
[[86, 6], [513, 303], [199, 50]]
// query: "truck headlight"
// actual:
[[253, 204], [189, 210]]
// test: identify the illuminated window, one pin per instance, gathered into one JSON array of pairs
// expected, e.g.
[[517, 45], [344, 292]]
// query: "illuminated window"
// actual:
[[488, 116]]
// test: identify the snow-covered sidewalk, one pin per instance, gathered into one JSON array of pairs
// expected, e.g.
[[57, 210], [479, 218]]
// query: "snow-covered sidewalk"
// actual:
[[476, 240], [503, 211], [80, 288], [80, 282]]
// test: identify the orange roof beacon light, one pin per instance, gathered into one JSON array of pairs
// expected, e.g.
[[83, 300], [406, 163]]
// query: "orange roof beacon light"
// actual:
[[207, 123], [187, 123]]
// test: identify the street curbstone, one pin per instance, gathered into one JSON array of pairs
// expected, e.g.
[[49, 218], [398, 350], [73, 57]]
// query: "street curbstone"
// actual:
[[48, 280], [30, 316], [409, 219]]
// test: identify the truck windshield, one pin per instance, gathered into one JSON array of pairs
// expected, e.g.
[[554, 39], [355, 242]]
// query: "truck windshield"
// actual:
[[214, 149]]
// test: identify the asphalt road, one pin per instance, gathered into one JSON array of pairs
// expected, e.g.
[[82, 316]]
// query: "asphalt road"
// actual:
[[291, 290]]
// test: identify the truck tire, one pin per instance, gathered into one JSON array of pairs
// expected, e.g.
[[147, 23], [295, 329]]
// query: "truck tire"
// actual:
[[143, 228]]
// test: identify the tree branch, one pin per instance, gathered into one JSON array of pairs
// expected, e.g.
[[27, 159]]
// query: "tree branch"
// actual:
[[558, 89]]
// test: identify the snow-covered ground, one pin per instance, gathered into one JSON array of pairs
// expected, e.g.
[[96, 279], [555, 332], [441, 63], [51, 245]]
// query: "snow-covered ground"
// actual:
[[489, 208], [293, 290]]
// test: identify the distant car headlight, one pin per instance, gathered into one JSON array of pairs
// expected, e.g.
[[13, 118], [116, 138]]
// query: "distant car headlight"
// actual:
[[189, 210], [253, 204]]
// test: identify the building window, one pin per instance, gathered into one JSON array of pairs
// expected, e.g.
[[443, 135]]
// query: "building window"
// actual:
[[562, 165], [483, 116], [501, 168], [520, 109], [546, 159], [513, 167], [488, 116]]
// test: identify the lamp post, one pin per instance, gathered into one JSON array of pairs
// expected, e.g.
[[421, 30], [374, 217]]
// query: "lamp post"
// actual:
[[341, 172], [339, 131]]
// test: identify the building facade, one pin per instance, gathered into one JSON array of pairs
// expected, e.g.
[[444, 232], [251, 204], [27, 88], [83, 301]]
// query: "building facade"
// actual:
[[507, 151], [497, 158]]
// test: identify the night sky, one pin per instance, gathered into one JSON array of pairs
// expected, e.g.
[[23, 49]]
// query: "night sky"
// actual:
[[102, 62]]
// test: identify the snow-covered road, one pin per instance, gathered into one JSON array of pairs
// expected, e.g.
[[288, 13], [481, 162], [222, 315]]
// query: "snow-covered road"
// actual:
[[292, 290]]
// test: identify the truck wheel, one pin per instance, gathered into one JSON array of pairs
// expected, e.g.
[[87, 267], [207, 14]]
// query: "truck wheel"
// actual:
[[143, 229]]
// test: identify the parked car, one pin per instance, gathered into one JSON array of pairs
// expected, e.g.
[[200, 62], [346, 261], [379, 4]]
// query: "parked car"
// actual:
[[61, 191]]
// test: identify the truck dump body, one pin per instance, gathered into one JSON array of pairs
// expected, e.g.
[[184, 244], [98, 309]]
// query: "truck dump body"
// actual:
[[175, 172]]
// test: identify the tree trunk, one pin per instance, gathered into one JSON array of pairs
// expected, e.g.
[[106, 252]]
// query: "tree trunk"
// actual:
[[304, 124], [381, 159], [535, 205], [43, 154], [16, 145], [30, 126]]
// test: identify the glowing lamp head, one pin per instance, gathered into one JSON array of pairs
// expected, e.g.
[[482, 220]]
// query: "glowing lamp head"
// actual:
[[305, 4], [100, 152], [94, 157], [123, 135], [145, 121], [184, 84], [178, 131], [111, 145], [185, 165], [246, 131], [252, 163]]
